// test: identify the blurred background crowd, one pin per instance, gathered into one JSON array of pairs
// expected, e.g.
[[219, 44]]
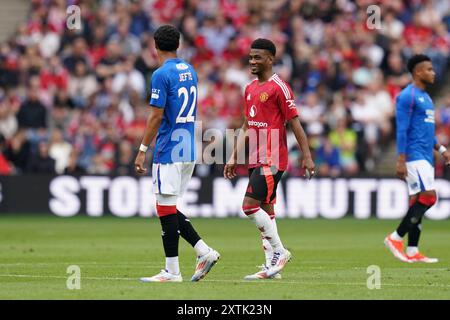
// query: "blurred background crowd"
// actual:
[[75, 101]]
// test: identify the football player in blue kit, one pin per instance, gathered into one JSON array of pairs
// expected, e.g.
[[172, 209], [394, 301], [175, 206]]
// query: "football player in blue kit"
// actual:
[[173, 105], [415, 144]]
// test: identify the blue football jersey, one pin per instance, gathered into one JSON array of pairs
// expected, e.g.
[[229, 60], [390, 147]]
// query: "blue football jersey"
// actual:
[[174, 88], [415, 124]]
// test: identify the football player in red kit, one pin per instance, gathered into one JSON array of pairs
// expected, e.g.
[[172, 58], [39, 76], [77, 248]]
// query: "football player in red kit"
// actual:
[[269, 105]]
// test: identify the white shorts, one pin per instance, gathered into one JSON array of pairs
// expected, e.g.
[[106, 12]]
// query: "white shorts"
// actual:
[[172, 178], [420, 176]]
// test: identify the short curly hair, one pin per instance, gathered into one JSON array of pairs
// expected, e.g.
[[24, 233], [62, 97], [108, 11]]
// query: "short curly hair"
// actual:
[[167, 38], [264, 44], [415, 60]]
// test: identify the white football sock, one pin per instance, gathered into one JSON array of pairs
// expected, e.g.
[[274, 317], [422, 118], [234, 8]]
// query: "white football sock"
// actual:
[[411, 251], [274, 224], [395, 236], [267, 229], [201, 248], [172, 265], [268, 251]]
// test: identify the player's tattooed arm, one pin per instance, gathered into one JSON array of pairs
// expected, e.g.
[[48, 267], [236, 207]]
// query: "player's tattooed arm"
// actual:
[[151, 129], [229, 171], [300, 135]]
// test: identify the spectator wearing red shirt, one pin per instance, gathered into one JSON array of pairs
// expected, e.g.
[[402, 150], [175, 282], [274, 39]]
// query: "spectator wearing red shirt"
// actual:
[[55, 76]]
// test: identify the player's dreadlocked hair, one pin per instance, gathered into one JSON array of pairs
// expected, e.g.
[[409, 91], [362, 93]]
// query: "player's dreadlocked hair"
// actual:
[[415, 60], [167, 38], [265, 44]]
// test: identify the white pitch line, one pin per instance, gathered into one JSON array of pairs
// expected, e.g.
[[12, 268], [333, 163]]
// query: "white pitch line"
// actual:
[[317, 283], [80, 264], [408, 268], [66, 262], [62, 277], [362, 284], [143, 264]]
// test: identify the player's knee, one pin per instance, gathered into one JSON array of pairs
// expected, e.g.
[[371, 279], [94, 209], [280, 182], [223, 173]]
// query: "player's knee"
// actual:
[[427, 199], [271, 215], [165, 210], [250, 209], [268, 208]]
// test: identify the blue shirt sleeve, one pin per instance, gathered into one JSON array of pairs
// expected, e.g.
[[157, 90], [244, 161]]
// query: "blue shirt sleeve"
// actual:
[[436, 141], [404, 106], [159, 89]]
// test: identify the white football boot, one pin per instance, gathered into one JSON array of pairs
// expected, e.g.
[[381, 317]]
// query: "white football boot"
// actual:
[[163, 276], [279, 260], [204, 264], [262, 274]]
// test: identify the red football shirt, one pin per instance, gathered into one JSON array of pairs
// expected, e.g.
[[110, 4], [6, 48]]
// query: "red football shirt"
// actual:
[[268, 106]]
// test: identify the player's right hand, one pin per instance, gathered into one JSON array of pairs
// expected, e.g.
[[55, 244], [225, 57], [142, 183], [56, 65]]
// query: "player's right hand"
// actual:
[[229, 171], [139, 163], [401, 169]]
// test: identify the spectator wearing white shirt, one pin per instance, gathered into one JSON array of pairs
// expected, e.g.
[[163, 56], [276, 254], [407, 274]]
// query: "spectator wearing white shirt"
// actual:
[[391, 27], [60, 151], [8, 119], [82, 85], [129, 79], [378, 98], [49, 42], [312, 112]]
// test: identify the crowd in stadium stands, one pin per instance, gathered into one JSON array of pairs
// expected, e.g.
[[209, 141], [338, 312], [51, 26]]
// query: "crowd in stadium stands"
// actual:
[[75, 101]]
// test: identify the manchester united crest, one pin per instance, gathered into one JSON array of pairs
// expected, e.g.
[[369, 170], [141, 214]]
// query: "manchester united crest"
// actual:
[[263, 97]]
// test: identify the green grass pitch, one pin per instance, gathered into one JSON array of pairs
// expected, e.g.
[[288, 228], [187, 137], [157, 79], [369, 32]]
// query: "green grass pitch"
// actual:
[[330, 260]]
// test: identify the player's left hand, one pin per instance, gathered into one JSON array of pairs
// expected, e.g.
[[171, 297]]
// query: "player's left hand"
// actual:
[[139, 163], [446, 156], [308, 164]]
